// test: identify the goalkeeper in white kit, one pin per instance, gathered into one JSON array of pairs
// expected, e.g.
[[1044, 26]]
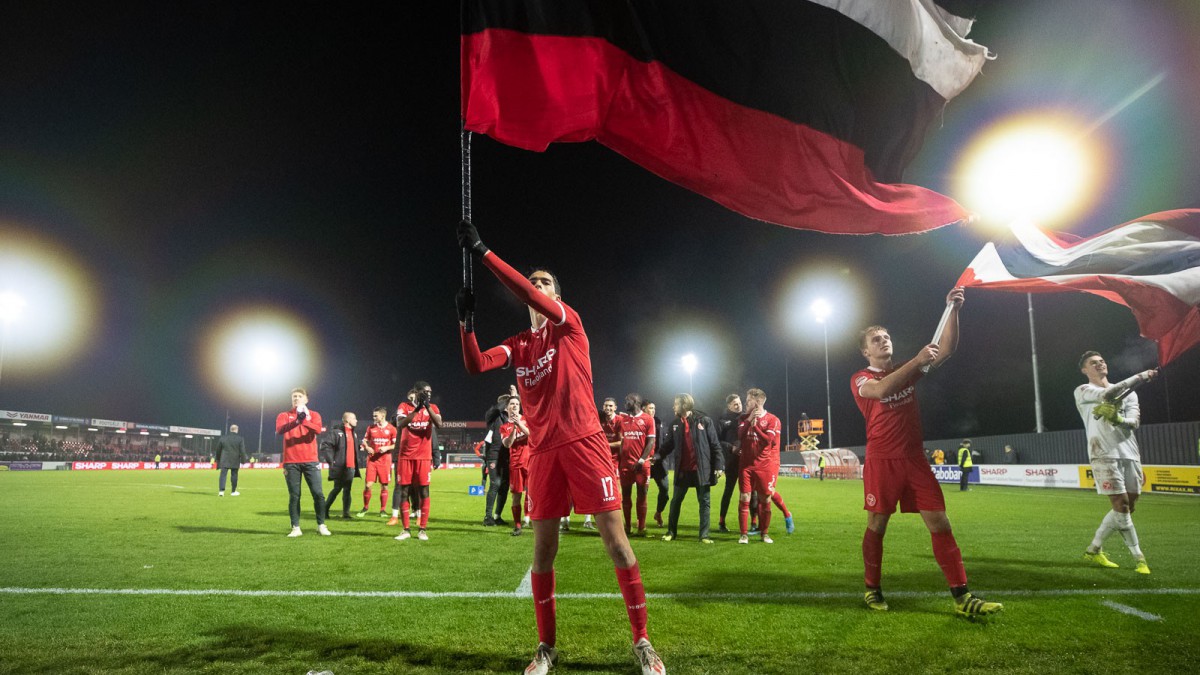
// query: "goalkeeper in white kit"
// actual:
[[1110, 414]]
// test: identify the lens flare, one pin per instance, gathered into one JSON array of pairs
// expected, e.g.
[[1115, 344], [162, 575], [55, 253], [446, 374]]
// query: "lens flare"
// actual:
[[47, 303], [1041, 168], [257, 350]]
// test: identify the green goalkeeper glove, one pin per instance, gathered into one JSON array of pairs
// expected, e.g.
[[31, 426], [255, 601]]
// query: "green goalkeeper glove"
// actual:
[[1108, 411]]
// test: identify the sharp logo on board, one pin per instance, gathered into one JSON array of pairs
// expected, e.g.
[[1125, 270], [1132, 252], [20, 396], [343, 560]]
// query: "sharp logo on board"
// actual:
[[1041, 472]]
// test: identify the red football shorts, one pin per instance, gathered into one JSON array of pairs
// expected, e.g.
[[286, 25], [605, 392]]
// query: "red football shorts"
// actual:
[[379, 469], [414, 472], [517, 480], [580, 472], [759, 481], [909, 482], [632, 474]]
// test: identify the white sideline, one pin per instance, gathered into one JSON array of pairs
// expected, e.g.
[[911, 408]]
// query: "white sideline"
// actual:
[[999, 594], [1132, 611], [525, 588]]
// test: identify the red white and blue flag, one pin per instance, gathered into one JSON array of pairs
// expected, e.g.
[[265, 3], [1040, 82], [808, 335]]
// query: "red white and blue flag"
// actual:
[[1151, 265], [801, 113]]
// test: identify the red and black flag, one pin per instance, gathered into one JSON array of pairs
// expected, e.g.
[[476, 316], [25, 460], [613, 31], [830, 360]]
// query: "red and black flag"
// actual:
[[799, 113]]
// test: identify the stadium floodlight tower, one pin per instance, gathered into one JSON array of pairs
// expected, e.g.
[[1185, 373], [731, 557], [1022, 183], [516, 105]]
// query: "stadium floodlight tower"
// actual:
[[689, 363], [265, 362], [11, 307], [821, 311]]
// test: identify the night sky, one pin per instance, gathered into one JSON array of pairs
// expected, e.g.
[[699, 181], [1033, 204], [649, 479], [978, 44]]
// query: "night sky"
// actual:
[[193, 159]]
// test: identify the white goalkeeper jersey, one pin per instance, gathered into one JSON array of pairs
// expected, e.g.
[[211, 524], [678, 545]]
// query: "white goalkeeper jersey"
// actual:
[[1104, 440]]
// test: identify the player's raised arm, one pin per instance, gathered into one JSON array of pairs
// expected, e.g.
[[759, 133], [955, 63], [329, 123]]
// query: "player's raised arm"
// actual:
[[948, 340], [468, 238]]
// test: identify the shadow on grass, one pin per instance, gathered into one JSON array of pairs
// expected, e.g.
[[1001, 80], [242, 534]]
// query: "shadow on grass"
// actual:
[[247, 645]]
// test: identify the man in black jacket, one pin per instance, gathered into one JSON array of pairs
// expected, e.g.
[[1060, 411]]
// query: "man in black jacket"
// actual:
[[700, 464], [230, 453], [495, 460], [659, 468], [727, 432], [339, 448]]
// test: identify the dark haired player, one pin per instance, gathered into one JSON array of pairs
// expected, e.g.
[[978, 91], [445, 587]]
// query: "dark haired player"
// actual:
[[895, 470], [637, 433], [570, 460]]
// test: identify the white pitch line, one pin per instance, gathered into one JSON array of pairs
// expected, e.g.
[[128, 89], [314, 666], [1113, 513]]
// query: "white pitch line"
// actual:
[[1068, 592], [525, 588], [1132, 611]]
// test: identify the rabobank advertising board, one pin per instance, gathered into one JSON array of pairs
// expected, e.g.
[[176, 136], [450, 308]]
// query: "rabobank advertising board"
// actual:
[[948, 473]]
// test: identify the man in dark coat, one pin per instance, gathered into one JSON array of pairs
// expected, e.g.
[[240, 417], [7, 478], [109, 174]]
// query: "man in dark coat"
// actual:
[[495, 461], [700, 464], [346, 456], [230, 453]]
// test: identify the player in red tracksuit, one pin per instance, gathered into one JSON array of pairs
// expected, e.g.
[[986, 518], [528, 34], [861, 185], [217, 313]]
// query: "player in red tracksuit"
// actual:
[[638, 436], [299, 428], [379, 440], [758, 464], [415, 466], [895, 470], [514, 435], [569, 461]]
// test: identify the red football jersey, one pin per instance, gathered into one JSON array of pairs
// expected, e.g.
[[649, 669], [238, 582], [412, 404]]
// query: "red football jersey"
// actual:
[[611, 434], [893, 423], [416, 438], [379, 437], [553, 365], [299, 436], [516, 453], [759, 443], [634, 431]]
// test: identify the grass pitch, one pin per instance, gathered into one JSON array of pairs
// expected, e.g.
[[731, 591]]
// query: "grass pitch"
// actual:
[[791, 607]]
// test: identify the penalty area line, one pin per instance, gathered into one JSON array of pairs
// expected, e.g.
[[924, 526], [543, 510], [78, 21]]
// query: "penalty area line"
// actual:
[[1131, 611], [523, 593]]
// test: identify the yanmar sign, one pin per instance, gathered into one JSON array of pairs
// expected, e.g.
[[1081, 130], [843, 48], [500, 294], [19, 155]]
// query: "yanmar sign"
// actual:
[[18, 416]]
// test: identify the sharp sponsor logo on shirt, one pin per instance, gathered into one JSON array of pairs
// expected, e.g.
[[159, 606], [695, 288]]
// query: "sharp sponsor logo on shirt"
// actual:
[[540, 368], [902, 397]]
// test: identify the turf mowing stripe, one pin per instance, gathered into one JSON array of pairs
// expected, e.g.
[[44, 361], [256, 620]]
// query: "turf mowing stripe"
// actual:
[[1132, 611], [584, 596]]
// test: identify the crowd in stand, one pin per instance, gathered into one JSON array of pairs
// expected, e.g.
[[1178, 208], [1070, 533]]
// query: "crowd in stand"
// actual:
[[42, 448]]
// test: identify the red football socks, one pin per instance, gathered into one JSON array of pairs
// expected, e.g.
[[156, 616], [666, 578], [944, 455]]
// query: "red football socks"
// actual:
[[516, 510], [744, 515], [383, 502], [872, 551], [641, 507], [777, 499], [404, 513], [949, 558], [543, 605], [424, 512], [366, 499], [634, 593], [764, 515]]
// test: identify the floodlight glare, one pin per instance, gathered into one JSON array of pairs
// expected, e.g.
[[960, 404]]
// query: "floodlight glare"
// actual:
[[265, 360], [258, 349], [821, 310], [11, 306], [1035, 168], [689, 363]]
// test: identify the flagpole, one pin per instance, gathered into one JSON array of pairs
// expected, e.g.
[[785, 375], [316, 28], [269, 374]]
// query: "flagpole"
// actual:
[[1037, 388], [468, 272]]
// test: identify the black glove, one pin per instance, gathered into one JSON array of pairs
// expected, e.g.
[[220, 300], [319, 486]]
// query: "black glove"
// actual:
[[465, 301], [468, 238]]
